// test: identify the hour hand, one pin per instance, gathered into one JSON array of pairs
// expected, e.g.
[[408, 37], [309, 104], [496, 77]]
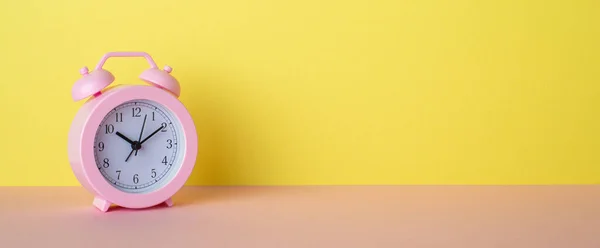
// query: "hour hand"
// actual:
[[125, 138]]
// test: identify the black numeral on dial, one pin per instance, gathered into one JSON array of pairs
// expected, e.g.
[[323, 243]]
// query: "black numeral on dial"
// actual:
[[135, 112], [109, 128]]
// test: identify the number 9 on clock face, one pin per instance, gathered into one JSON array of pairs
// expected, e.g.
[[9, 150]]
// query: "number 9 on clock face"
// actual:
[[138, 146]]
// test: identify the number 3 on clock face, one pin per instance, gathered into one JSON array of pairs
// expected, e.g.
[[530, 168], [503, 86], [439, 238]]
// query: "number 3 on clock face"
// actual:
[[138, 146]]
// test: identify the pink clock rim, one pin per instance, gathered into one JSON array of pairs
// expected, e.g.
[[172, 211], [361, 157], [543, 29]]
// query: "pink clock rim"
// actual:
[[109, 100]]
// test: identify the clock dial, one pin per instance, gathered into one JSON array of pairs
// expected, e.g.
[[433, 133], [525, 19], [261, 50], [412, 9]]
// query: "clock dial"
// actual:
[[138, 146]]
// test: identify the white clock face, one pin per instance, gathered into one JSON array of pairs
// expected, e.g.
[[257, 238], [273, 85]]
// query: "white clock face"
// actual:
[[138, 146]]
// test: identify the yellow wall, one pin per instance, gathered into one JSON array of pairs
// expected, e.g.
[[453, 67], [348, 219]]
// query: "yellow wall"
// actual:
[[324, 91]]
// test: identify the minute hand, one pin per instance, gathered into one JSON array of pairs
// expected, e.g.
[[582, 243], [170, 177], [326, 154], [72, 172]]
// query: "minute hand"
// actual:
[[152, 134]]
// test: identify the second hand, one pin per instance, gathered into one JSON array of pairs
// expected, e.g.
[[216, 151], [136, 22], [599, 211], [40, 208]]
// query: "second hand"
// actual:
[[141, 132]]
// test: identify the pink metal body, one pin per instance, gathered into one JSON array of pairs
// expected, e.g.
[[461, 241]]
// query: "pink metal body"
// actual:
[[163, 89]]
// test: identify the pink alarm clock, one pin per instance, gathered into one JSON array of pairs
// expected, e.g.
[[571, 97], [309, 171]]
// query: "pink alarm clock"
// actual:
[[131, 145]]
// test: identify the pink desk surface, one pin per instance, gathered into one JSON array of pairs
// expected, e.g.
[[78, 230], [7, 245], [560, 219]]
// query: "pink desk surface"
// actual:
[[315, 216]]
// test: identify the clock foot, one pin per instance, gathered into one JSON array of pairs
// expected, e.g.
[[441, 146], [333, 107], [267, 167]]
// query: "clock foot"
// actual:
[[101, 204], [169, 202]]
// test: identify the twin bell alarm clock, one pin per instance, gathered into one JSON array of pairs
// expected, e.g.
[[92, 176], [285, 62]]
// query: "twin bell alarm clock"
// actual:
[[133, 146]]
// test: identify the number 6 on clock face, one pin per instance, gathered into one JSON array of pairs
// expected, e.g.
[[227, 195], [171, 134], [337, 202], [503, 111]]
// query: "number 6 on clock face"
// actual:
[[136, 146]]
